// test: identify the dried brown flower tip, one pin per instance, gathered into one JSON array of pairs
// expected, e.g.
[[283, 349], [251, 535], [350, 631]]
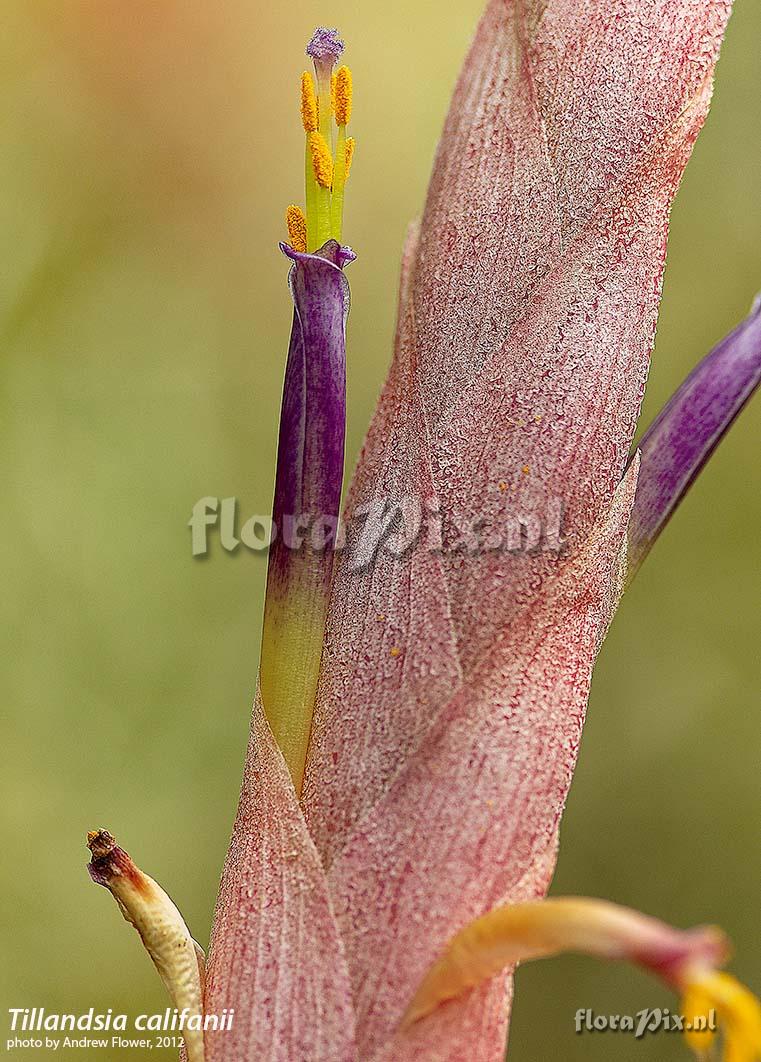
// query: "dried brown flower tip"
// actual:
[[177, 957]]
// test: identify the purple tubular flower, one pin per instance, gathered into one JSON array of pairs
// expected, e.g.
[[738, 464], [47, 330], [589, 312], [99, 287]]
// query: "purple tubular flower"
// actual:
[[689, 428], [311, 443], [307, 496]]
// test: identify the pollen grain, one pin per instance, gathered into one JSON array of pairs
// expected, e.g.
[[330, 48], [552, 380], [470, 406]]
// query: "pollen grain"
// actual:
[[297, 228], [343, 95], [309, 111], [322, 160], [350, 145]]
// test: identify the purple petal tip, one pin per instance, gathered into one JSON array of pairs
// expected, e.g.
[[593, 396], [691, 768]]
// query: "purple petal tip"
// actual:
[[683, 436], [346, 256], [325, 45], [337, 254]]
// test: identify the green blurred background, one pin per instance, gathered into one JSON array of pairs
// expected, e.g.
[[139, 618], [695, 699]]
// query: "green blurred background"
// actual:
[[148, 152]]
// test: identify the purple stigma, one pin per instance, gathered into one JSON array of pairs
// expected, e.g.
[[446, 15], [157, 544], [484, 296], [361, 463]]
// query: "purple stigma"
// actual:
[[325, 45]]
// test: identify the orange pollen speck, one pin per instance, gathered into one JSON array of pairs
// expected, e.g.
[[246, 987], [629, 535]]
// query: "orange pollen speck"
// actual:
[[322, 160], [525, 470], [343, 95], [297, 228], [350, 145], [395, 650], [502, 485], [309, 111]]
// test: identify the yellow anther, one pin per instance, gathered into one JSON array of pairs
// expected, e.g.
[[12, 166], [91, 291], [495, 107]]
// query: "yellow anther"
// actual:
[[322, 160], [297, 228], [342, 95], [737, 1009], [309, 112], [350, 145]]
